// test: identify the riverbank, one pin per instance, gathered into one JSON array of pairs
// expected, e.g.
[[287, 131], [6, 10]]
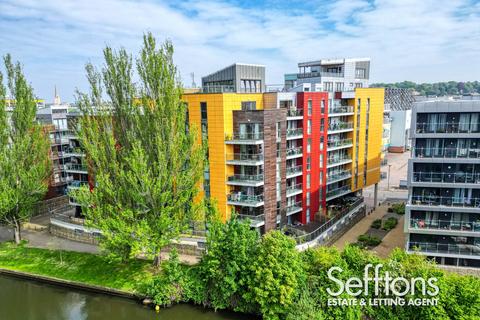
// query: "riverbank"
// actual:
[[87, 268]]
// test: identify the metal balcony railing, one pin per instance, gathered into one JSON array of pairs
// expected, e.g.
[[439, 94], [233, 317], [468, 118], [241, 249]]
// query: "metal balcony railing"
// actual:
[[244, 136], [451, 225], [76, 167], [421, 152], [319, 74], [430, 247], [443, 177], [294, 132], [340, 126], [294, 207], [340, 109], [338, 159], [246, 178], [294, 188], [254, 218], [339, 143], [445, 201], [337, 175], [447, 127]]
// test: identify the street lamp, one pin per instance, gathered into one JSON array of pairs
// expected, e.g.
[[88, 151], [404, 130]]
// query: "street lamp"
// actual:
[[388, 179]]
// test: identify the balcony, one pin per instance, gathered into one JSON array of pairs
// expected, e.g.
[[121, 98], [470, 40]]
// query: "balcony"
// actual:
[[294, 208], [244, 138], [241, 199], [245, 159], [445, 201], [338, 176], [77, 168], [73, 152], [294, 171], [295, 152], [454, 249], [246, 180], [295, 133], [294, 114], [338, 127], [295, 189], [317, 74], [447, 127], [255, 220], [468, 153], [335, 193], [75, 184], [334, 161], [339, 144], [446, 225], [442, 177], [337, 111]]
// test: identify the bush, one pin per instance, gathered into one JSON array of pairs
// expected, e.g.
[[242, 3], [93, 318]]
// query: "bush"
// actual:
[[390, 223], [398, 208], [368, 240], [377, 224]]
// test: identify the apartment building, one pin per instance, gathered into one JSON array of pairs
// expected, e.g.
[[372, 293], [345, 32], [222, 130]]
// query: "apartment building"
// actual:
[[442, 218], [287, 158]]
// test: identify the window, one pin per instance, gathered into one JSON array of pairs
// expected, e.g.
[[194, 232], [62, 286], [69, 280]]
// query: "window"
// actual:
[[321, 142], [203, 110], [322, 106], [249, 105], [309, 145], [321, 160], [360, 73], [278, 127], [368, 105], [309, 127], [322, 125], [309, 160], [358, 85], [308, 199], [321, 178], [359, 103], [308, 180], [328, 86], [309, 107], [308, 215], [338, 86]]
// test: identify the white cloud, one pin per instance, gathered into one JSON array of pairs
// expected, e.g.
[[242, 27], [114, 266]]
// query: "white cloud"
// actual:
[[407, 40]]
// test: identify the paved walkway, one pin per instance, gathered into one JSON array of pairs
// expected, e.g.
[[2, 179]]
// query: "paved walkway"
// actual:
[[44, 240], [394, 239]]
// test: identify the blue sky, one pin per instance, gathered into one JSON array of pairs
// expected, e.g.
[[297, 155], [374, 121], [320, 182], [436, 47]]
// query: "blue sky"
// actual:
[[424, 41]]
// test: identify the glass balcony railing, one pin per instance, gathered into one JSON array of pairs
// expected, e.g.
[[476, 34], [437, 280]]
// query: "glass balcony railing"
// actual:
[[76, 167], [294, 207], [254, 218], [244, 136], [429, 247], [294, 132], [335, 192], [75, 184], [294, 188], [294, 151], [319, 74], [337, 175], [450, 225], [442, 177], [337, 159], [420, 152], [340, 109], [239, 197], [339, 143], [244, 157], [294, 170], [340, 126], [447, 127], [294, 113], [246, 178], [445, 201]]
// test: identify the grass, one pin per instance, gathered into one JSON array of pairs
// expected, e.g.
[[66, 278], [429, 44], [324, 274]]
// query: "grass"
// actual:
[[75, 266]]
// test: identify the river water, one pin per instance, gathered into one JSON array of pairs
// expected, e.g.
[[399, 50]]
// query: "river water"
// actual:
[[30, 300]]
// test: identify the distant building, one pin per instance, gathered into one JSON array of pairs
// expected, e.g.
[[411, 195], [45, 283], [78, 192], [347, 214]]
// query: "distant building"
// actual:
[[239, 77], [399, 103], [442, 219]]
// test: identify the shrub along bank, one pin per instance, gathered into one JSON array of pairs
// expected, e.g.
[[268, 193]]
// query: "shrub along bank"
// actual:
[[267, 275]]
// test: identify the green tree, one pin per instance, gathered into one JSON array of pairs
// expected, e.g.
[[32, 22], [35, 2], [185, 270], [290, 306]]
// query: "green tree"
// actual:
[[225, 266], [276, 275], [24, 160], [141, 152]]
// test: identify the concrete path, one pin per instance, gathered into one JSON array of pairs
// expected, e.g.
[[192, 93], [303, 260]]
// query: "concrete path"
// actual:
[[44, 240], [360, 228]]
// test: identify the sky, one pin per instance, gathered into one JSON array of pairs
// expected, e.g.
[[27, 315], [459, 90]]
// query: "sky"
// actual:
[[417, 40]]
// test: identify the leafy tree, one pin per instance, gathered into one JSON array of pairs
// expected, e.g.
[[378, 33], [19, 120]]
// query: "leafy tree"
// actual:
[[140, 151], [435, 89], [24, 160], [276, 275], [226, 264]]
